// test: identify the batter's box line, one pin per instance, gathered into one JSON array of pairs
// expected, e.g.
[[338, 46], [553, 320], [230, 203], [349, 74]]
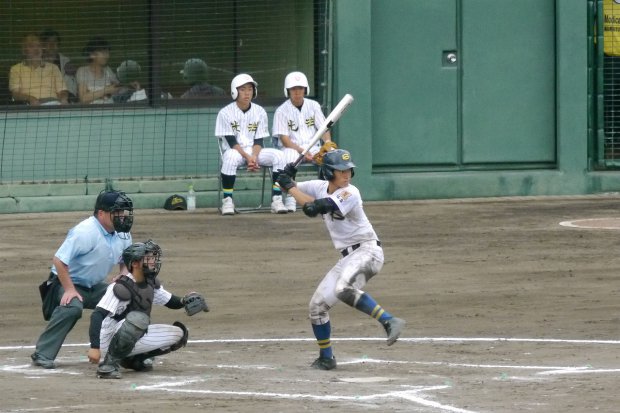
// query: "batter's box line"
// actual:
[[411, 395], [380, 339]]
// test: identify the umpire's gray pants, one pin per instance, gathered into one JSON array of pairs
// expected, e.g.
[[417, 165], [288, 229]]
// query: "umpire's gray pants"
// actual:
[[64, 318]]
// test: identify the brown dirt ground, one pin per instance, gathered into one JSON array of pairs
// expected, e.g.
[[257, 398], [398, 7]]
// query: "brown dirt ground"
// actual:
[[464, 273]]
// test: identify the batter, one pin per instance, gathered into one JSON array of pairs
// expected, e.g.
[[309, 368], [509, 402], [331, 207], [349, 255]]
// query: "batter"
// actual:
[[340, 205]]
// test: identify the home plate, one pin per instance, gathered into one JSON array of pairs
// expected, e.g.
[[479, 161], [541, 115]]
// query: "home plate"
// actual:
[[364, 379], [593, 223]]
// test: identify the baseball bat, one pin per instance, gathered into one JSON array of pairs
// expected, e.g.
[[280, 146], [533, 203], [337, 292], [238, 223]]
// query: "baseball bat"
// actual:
[[332, 118]]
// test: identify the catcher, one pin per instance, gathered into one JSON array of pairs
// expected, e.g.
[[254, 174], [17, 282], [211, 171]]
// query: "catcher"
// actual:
[[120, 328]]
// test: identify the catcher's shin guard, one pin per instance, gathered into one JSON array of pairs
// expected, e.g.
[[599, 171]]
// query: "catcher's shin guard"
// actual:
[[161, 351], [135, 326]]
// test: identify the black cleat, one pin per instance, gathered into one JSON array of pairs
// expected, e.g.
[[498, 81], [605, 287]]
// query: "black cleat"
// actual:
[[323, 363], [108, 371], [393, 328], [138, 364]]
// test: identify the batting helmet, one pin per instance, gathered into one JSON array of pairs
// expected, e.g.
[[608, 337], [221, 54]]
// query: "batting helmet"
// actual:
[[338, 159], [194, 71], [239, 81], [139, 250], [112, 201], [296, 79]]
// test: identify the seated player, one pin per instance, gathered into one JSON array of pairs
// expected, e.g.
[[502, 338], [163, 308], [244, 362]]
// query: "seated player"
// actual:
[[295, 122], [120, 328], [243, 124]]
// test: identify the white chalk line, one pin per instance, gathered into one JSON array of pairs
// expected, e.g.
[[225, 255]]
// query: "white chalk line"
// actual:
[[409, 395], [583, 223], [380, 339]]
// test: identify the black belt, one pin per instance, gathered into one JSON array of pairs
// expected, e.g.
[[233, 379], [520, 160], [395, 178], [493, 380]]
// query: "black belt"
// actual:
[[352, 248]]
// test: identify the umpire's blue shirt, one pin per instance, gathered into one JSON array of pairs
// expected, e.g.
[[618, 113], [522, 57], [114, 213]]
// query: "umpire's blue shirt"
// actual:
[[91, 252]]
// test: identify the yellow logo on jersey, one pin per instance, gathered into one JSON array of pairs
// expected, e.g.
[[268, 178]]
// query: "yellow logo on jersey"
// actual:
[[252, 127], [292, 126], [343, 196], [235, 126], [310, 121]]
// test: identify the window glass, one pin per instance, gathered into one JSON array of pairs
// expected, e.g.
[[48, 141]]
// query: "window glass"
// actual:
[[172, 51]]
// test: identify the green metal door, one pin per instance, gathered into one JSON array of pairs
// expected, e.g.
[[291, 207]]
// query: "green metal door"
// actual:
[[463, 84], [414, 95], [508, 81]]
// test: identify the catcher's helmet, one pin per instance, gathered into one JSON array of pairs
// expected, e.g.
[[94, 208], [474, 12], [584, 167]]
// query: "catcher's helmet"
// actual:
[[138, 250], [339, 159], [111, 201], [239, 81], [296, 79], [194, 71]]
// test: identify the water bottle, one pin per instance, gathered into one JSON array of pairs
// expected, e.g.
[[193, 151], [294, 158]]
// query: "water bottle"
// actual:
[[191, 198]]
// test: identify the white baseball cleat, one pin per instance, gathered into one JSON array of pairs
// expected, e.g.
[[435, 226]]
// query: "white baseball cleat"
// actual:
[[228, 206], [277, 207], [290, 203]]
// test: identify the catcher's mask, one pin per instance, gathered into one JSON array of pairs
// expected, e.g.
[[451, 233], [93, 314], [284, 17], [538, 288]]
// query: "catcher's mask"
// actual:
[[114, 201], [338, 159], [154, 253], [147, 251]]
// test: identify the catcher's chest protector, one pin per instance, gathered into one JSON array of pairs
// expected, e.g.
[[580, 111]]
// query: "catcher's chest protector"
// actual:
[[140, 296]]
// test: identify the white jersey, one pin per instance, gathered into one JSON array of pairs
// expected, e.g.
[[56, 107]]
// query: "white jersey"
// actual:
[[351, 226], [111, 303], [245, 126], [299, 124]]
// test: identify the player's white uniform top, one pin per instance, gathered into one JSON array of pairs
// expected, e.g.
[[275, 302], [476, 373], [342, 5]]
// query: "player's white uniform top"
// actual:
[[353, 226], [245, 126], [298, 124], [156, 337]]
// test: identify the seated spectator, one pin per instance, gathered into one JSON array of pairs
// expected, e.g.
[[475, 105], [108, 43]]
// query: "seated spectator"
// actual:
[[34, 81], [128, 74], [96, 81], [195, 74], [50, 41]]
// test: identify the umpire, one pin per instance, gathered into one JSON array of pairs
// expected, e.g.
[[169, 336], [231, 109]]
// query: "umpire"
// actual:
[[81, 265]]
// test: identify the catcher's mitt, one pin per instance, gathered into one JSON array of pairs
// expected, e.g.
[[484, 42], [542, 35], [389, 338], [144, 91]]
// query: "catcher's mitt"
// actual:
[[327, 146], [194, 303]]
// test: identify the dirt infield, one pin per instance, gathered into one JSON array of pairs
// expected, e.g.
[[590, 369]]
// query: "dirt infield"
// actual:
[[508, 311]]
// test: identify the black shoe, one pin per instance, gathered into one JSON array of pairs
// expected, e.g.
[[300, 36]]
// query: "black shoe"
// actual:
[[393, 328], [138, 364], [108, 371], [324, 363], [40, 361]]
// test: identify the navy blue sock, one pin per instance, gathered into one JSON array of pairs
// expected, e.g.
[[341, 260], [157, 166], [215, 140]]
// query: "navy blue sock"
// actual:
[[322, 333], [368, 305]]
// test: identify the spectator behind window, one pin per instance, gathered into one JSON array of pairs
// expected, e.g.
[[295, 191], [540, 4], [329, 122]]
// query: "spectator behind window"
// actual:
[[195, 74], [128, 74], [34, 81], [96, 81], [50, 42]]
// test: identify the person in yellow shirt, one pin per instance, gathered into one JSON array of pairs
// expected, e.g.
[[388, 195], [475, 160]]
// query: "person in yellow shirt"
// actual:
[[35, 81]]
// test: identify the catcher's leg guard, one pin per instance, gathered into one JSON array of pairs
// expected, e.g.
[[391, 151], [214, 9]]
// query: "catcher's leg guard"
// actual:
[[183, 341], [136, 359], [135, 326]]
